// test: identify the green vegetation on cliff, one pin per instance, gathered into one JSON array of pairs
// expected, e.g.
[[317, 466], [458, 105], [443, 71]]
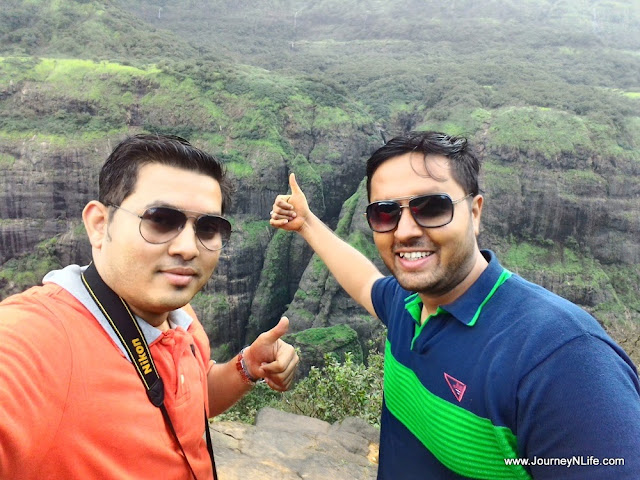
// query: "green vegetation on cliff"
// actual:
[[330, 393], [338, 340], [547, 90], [18, 274]]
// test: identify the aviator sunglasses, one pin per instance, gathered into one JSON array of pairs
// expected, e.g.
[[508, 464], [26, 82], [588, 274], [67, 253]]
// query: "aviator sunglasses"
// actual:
[[163, 224], [429, 211]]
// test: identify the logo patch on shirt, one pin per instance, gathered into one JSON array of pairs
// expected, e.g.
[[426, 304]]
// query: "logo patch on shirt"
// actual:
[[457, 387]]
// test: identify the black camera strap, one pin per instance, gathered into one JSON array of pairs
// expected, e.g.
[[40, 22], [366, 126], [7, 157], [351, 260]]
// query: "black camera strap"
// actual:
[[123, 322]]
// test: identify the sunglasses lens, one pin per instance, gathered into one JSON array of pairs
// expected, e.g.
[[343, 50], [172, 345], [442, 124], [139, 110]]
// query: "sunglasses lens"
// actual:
[[214, 232], [383, 216], [161, 224], [429, 211], [432, 210]]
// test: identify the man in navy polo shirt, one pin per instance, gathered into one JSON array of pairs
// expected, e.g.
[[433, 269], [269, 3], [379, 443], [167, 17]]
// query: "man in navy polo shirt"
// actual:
[[486, 375]]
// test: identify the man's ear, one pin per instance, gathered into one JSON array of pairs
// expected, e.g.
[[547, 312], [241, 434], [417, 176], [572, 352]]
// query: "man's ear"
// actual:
[[476, 213], [95, 217]]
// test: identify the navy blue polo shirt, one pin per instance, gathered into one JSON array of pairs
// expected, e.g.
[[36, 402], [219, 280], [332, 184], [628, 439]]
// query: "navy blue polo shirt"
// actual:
[[507, 371]]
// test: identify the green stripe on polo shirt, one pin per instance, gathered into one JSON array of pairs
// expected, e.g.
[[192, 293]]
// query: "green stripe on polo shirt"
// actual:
[[465, 443], [504, 276]]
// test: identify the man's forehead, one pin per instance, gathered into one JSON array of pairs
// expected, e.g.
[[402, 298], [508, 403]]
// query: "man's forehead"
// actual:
[[159, 183], [410, 169], [165, 173]]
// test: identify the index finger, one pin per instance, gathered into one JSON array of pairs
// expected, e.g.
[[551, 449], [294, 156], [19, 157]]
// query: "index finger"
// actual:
[[282, 201]]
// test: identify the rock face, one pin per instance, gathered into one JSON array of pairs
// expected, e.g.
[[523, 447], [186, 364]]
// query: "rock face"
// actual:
[[579, 222], [284, 446], [44, 187], [321, 304], [570, 231], [314, 343], [42, 193], [567, 221]]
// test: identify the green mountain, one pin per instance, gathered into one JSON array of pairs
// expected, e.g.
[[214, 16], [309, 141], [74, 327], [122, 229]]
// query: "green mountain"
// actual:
[[427, 54], [548, 90]]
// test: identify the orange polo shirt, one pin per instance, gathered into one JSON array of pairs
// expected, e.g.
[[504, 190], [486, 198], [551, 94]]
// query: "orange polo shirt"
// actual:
[[73, 407]]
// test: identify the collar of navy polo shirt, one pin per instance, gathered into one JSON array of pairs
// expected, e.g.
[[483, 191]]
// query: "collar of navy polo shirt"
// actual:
[[466, 308]]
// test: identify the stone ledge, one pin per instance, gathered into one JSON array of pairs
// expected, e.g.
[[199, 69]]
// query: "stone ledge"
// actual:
[[285, 446]]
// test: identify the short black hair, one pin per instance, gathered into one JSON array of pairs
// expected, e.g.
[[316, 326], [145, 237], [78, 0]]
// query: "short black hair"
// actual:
[[465, 166], [119, 173]]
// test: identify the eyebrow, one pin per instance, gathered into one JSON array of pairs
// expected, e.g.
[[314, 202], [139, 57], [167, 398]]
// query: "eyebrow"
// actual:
[[409, 197], [175, 207]]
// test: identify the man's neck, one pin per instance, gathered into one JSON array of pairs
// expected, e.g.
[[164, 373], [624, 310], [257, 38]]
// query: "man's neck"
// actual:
[[164, 326], [157, 320], [430, 303]]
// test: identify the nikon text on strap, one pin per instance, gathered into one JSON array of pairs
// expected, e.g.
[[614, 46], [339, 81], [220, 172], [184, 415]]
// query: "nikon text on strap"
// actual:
[[123, 322]]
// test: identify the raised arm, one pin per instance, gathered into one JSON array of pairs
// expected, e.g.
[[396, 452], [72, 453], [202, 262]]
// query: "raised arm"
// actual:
[[353, 271]]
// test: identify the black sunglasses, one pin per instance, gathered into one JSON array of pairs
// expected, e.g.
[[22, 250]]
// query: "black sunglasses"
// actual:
[[163, 224], [429, 211]]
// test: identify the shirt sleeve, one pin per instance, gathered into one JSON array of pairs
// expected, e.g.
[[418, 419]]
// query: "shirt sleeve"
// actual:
[[579, 413], [35, 359], [382, 295]]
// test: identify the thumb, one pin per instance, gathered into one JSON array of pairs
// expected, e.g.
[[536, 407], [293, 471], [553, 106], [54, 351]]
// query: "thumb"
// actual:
[[295, 189], [272, 336]]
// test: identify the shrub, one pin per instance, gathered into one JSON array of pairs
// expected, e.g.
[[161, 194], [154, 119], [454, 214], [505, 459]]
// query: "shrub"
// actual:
[[339, 390], [332, 393]]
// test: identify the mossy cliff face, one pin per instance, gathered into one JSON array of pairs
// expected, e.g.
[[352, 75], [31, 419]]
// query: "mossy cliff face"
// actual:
[[319, 301], [314, 343], [45, 184], [574, 230], [562, 191], [60, 119], [570, 225], [43, 189]]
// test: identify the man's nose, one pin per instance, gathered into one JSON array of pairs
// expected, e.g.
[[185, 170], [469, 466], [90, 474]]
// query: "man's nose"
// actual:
[[186, 243], [407, 226]]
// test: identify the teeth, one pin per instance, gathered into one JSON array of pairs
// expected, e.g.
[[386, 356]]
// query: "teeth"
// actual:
[[414, 255]]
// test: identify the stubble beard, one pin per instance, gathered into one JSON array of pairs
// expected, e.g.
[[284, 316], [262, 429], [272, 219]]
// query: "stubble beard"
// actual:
[[439, 279]]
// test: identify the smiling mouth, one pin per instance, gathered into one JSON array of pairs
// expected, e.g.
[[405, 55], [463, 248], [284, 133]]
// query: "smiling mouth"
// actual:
[[414, 255]]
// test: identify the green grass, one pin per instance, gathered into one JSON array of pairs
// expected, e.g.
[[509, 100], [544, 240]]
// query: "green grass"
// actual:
[[459, 122], [253, 230], [345, 224], [24, 272], [240, 170], [364, 244], [6, 160], [501, 179], [216, 302], [542, 131], [569, 265], [327, 336]]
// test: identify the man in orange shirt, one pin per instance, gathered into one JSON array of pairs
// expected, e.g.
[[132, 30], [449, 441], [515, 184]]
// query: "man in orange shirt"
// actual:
[[71, 402]]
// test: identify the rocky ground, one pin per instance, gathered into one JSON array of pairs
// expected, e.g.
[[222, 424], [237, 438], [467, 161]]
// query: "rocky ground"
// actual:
[[284, 446]]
